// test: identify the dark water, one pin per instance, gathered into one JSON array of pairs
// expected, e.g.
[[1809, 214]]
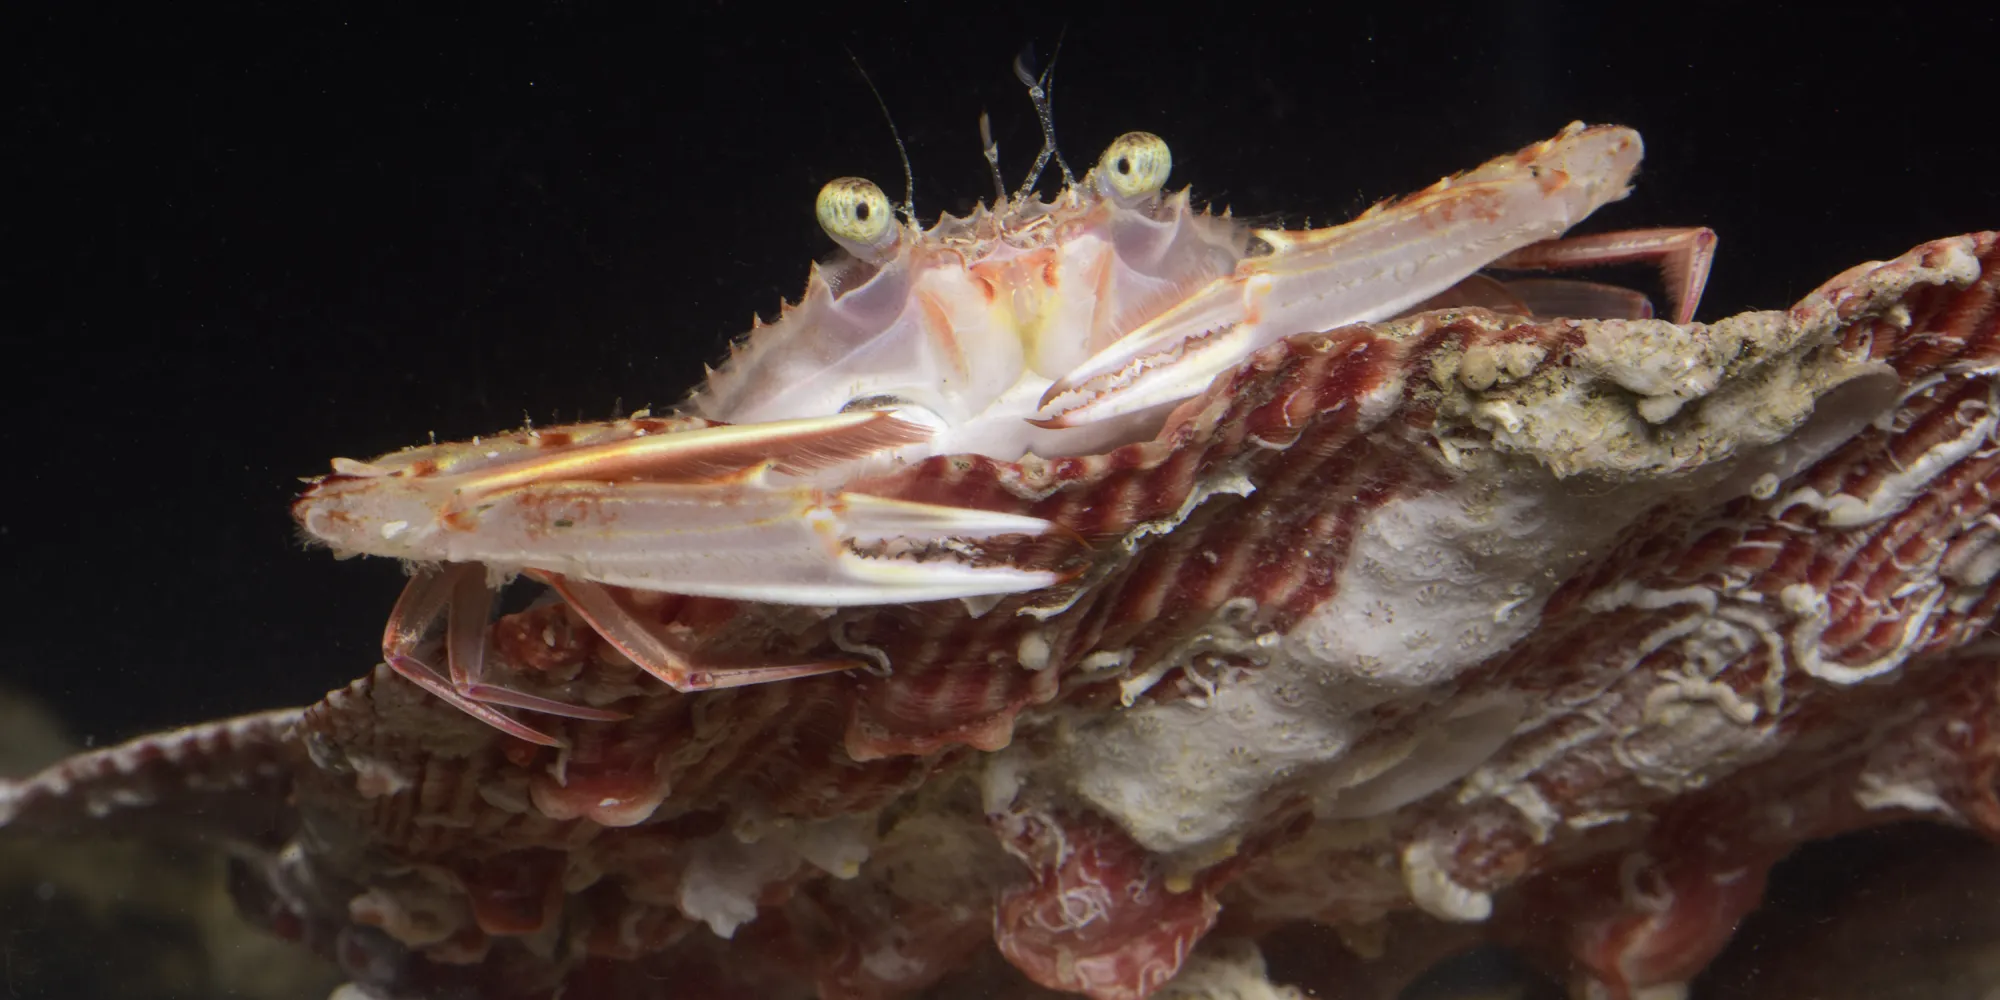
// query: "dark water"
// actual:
[[244, 244]]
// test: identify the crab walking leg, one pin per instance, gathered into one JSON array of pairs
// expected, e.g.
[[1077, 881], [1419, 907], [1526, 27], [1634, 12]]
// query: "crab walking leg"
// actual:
[[655, 654], [1683, 255], [460, 593], [468, 615], [756, 542], [424, 598], [1569, 299], [1393, 256]]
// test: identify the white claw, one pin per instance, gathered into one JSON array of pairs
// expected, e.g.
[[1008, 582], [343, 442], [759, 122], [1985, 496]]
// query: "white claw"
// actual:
[[792, 545], [879, 519], [935, 562], [1153, 380]]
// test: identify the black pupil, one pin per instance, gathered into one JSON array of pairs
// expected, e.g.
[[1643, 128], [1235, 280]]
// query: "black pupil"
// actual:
[[1124, 164], [861, 211]]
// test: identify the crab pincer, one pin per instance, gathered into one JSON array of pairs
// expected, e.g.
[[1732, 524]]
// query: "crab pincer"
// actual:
[[710, 511]]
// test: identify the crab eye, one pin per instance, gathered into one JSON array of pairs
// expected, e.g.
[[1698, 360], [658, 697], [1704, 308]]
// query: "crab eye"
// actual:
[[1136, 164], [857, 215]]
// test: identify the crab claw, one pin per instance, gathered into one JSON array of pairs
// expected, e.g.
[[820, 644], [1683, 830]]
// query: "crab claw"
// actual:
[[725, 511], [1167, 363], [747, 541], [1394, 256]]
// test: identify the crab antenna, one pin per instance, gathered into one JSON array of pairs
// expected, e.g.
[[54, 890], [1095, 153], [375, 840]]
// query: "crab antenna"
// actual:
[[1048, 123], [1038, 91], [992, 159], [908, 209]]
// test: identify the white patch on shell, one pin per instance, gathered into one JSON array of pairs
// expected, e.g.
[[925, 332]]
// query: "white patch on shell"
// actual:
[[1875, 791], [375, 778], [724, 878], [1486, 365], [508, 796], [1188, 774], [888, 964], [1685, 739], [1033, 652], [1001, 780], [1444, 749], [1439, 581], [415, 915], [1811, 608], [1903, 771], [1380, 401], [1183, 773], [1435, 892], [1226, 970], [1973, 560], [838, 846]]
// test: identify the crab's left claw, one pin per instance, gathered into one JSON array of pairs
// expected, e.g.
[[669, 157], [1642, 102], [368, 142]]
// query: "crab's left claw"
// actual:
[[1394, 256], [1169, 359]]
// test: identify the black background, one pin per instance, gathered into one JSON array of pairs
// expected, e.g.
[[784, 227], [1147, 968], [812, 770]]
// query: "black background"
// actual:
[[245, 243]]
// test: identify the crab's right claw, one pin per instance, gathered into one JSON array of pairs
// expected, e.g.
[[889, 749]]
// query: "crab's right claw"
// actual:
[[728, 511], [749, 541], [411, 504]]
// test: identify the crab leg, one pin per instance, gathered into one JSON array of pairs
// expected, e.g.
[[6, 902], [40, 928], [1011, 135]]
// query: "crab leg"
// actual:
[[461, 595], [658, 656], [468, 614], [1579, 299], [1684, 256], [1395, 255], [428, 595]]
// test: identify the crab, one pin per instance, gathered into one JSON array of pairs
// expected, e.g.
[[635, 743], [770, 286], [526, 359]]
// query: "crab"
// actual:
[[1031, 327]]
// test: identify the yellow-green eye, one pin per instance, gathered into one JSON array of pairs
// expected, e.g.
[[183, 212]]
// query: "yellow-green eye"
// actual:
[[1136, 164], [857, 215]]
